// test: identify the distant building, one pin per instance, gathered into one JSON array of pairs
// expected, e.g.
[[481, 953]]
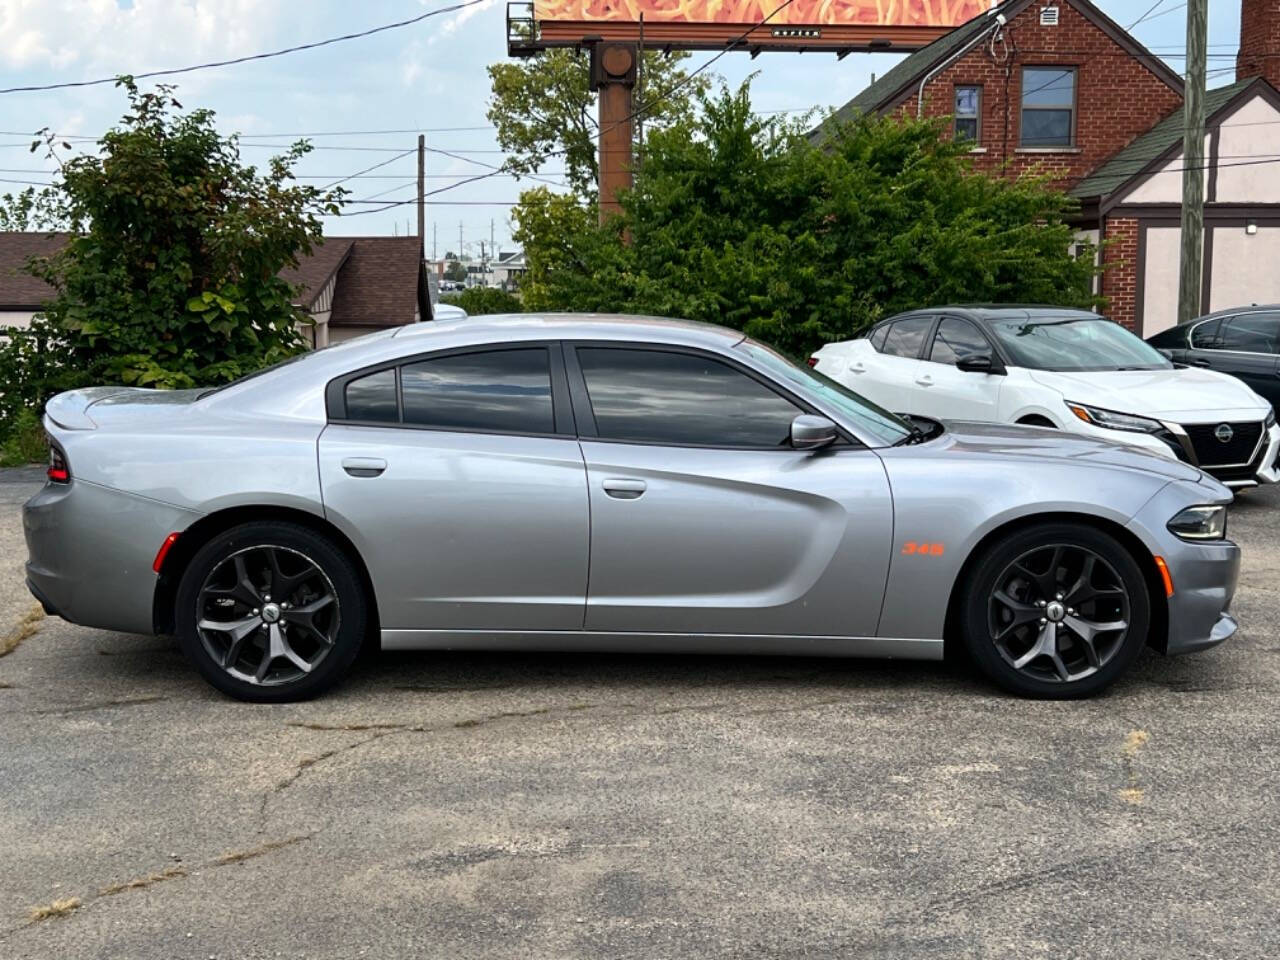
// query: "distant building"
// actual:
[[349, 285]]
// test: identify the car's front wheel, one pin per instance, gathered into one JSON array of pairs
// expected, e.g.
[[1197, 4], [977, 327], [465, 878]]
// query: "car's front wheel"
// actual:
[[271, 612], [1055, 611]]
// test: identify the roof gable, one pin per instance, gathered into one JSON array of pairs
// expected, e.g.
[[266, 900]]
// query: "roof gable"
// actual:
[[316, 269], [381, 284], [1151, 150]]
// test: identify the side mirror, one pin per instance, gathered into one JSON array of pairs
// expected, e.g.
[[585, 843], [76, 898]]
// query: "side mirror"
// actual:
[[979, 363], [1167, 354], [809, 432]]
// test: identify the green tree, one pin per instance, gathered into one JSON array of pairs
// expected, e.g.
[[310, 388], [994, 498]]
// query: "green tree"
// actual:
[[481, 300], [171, 277], [455, 270], [543, 105], [745, 222]]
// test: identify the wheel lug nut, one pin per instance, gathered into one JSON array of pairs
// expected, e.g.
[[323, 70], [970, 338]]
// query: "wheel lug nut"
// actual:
[[1043, 620], [1039, 603], [256, 611]]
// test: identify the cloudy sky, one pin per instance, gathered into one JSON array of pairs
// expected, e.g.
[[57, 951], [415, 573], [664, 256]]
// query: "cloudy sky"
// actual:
[[427, 77]]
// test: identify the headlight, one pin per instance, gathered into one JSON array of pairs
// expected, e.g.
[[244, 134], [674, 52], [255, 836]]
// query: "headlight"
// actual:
[[1208, 522], [1271, 419], [1112, 420]]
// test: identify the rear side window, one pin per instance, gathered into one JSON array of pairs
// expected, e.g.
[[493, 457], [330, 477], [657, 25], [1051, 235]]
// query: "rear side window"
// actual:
[[906, 337], [877, 337], [652, 396], [500, 391], [1250, 332], [1175, 338], [372, 398], [955, 339], [1205, 335]]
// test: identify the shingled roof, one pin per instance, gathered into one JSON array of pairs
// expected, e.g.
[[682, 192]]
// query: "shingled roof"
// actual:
[[313, 272], [18, 289], [1151, 149]]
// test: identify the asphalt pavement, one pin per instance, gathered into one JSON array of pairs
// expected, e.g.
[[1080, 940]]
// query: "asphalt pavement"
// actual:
[[500, 805]]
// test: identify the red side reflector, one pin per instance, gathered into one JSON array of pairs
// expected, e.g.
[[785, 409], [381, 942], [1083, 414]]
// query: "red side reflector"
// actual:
[[163, 552], [1165, 575], [812, 361], [58, 475]]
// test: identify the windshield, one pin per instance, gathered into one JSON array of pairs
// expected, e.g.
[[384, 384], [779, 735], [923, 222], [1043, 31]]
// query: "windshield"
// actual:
[[865, 415], [1075, 343]]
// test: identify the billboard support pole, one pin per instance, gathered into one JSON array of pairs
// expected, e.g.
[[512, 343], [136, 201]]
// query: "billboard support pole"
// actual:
[[613, 75]]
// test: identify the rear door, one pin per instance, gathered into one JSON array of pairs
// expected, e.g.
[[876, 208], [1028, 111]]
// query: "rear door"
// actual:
[[957, 394], [459, 478], [1245, 347], [897, 365], [704, 520]]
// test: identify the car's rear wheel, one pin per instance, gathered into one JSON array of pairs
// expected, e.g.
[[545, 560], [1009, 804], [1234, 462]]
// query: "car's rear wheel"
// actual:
[[271, 612], [1056, 611]]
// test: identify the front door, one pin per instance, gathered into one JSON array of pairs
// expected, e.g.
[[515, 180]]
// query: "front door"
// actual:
[[952, 393], [459, 480], [704, 520], [1244, 346]]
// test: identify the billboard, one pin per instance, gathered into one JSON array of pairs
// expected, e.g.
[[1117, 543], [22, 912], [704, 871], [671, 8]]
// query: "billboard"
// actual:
[[798, 24]]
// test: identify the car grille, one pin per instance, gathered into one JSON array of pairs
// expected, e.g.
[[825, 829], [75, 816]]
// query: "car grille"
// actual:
[[1212, 452]]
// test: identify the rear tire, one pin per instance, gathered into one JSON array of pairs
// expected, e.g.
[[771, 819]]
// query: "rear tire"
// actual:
[[271, 612], [1055, 611]]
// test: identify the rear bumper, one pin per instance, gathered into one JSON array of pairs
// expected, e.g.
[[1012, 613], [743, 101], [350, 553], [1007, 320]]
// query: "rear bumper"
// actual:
[[90, 550]]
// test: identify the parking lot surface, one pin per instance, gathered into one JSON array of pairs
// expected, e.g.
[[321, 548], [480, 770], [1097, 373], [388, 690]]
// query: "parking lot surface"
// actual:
[[510, 805]]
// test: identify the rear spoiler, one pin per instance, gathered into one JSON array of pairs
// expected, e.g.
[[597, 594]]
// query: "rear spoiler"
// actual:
[[70, 410]]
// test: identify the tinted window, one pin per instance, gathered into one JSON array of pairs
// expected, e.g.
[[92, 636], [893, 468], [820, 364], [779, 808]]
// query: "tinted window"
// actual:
[[1175, 338], [1252, 332], [877, 337], [1204, 336], [955, 339], [1048, 103], [373, 398], [505, 391], [659, 397], [906, 336]]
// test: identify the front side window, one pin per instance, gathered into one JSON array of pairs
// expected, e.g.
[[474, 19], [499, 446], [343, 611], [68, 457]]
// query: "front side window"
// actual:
[[653, 396], [968, 112], [878, 336], [1048, 106], [498, 391], [906, 337], [955, 339], [1250, 333]]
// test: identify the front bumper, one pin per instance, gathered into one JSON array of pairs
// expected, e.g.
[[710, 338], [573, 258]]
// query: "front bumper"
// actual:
[[1260, 467], [90, 550]]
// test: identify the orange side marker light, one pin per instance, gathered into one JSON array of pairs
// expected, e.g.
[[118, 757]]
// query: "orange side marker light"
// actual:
[[1164, 575]]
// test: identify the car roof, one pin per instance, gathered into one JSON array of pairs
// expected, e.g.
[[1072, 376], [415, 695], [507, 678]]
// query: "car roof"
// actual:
[[987, 312], [496, 328], [1234, 311]]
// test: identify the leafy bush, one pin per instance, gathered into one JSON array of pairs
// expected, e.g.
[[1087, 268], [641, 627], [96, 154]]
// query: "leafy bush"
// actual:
[[24, 441], [481, 300], [744, 221]]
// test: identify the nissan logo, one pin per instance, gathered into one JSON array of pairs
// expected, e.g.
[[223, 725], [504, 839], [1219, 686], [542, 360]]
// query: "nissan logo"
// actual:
[[1224, 433]]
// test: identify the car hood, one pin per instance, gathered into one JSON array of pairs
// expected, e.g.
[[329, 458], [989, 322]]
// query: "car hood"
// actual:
[[1045, 445], [1183, 394]]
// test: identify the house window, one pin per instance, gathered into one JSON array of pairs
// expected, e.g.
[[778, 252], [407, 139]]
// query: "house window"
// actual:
[[968, 110], [1048, 106]]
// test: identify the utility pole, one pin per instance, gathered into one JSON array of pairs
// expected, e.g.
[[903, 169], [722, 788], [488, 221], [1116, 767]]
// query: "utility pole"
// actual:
[[493, 250], [1191, 261], [434, 239], [422, 196]]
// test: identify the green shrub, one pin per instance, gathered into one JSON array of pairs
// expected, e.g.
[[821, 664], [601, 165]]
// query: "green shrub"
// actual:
[[481, 300], [24, 442]]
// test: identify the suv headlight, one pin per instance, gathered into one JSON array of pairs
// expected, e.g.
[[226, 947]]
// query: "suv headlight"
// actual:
[[1113, 420], [1208, 522], [1271, 419]]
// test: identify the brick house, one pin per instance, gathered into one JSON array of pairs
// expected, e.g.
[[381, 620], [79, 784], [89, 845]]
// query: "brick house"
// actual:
[[1058, 87]]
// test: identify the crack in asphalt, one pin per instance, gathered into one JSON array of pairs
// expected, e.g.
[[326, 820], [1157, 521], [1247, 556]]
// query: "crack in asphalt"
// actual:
[[102, 705]]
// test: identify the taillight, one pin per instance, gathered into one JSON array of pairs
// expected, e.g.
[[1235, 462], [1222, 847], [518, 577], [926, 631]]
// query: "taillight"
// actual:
[[812, 361], [58, 471]]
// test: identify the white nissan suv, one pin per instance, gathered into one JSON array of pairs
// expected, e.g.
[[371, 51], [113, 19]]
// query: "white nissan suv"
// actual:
[[1062, 368]]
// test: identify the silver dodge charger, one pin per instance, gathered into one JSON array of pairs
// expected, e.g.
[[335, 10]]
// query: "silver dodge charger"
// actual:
[[612, 483]]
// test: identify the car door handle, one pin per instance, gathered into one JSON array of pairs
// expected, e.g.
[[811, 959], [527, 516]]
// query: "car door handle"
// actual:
[[622, 489], [856, 366], [364, 466], [925, 381], [1200, 363]]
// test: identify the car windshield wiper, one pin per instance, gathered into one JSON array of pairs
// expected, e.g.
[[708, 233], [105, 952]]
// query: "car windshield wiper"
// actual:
[[916, 435]]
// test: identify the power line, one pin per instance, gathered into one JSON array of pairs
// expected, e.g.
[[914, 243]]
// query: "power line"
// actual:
[[1152, 9], [376, 166], [251, 57]]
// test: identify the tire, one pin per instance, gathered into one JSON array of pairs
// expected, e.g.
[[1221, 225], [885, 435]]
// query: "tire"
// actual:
[[1037, 421], [1013, 616], [287, 647]]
